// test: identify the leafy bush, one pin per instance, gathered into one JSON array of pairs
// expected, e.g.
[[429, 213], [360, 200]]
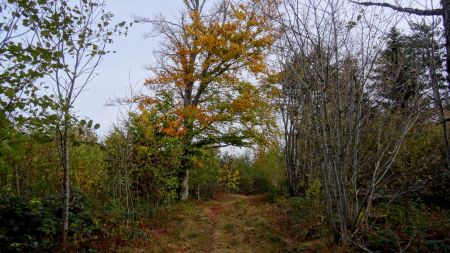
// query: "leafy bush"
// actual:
[[88, 169], [25, 226], [304, 218], [410, 226], [83, 226], [229, 174], [33, 225], [204, 175]]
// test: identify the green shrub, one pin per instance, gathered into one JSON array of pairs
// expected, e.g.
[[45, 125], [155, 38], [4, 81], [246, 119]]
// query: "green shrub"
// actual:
[[305, 218], [383, 240], [33, 225], [262, 174], [25, 226], [409, 225]]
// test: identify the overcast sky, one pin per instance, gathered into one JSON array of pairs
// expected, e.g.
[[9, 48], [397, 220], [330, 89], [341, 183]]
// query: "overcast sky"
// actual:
[[119, 70], [126, 66]]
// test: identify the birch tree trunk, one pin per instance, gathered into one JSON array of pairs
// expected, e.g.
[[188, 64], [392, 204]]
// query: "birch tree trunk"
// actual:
[[184, 195]]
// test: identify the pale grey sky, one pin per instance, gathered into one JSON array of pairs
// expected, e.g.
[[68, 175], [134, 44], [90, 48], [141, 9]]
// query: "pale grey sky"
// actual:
[[127, 65], [118, 70]]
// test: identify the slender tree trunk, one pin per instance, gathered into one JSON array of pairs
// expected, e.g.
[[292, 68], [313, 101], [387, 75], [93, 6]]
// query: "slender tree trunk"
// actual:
[[434, 81], [442, 119], [66, 183], [446, 22], [445, 135], [16, 179]]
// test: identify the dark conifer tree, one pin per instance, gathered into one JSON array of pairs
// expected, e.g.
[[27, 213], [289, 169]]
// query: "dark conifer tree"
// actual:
[[396, 76]]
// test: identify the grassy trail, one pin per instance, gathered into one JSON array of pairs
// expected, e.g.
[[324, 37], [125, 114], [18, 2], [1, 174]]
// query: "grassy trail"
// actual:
[[231, 223]]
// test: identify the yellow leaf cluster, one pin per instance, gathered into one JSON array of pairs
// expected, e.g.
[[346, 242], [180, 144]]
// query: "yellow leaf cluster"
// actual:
[[203, 59]]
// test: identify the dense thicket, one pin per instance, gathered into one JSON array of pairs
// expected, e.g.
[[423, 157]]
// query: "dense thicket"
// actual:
[[355, 102]]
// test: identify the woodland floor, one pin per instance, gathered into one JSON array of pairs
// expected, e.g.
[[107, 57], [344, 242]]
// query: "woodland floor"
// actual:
[[230, 223]]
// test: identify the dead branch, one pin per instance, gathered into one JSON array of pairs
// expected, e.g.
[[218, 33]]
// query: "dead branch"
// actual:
[[432, 12]]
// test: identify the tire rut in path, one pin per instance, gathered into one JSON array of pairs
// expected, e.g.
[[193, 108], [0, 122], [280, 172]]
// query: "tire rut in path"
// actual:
[[215, 212]]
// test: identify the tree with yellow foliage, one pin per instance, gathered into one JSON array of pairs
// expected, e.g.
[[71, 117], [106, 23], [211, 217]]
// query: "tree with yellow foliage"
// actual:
[[207, 76]]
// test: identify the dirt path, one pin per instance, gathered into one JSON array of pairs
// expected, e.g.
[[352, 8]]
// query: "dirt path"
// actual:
[[214, 216], [231, 223]]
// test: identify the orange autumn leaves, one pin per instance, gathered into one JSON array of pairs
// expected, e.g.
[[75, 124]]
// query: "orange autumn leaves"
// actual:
[[176, 128], [172, 123], [205, 61], [203, 48], [245, 108]]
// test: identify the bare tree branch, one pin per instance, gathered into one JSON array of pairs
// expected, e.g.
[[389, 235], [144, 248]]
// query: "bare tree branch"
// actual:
[[432, 12]]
